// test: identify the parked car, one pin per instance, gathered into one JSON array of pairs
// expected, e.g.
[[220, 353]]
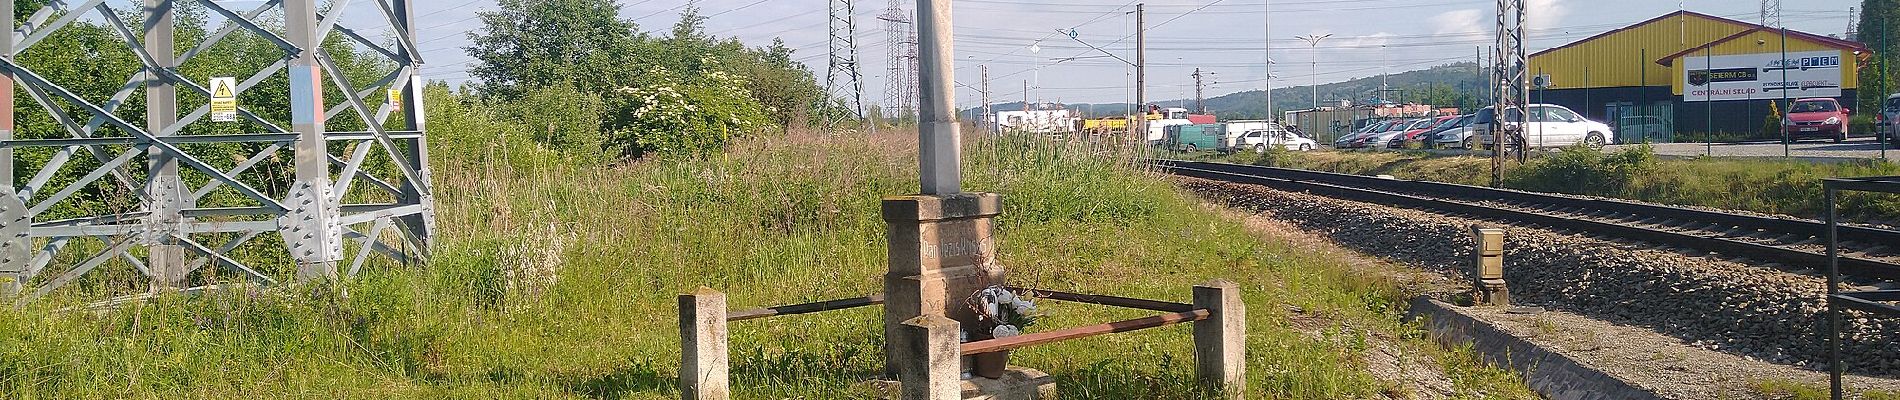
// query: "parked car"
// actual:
[[1262, 139], [1454, 137], [1638, 128], [1888, 120], [1237, 128], [1550, 126], [1417, 135], [1379, 139], [1817, 117], [1346, 140]]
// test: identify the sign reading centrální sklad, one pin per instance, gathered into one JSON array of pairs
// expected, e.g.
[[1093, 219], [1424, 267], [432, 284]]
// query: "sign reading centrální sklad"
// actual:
[[1760, 76]]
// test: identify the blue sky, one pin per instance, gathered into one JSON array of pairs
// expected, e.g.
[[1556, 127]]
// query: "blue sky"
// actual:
[[1017, 40]]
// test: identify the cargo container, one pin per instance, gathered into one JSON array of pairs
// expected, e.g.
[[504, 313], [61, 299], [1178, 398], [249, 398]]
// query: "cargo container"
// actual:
[[1197, 137]]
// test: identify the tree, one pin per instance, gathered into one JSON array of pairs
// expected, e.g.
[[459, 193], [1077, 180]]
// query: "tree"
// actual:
[[535, 43], [1880, 30]]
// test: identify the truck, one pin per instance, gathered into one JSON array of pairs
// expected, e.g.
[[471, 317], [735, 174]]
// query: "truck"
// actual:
[[1161, 119], [1197, 137]]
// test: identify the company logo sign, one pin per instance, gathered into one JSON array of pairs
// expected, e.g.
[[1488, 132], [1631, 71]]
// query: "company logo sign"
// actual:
[[1762, 76]]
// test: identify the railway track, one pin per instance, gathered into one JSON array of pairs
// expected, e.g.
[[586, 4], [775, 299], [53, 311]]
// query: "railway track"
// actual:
[[1793, 244]]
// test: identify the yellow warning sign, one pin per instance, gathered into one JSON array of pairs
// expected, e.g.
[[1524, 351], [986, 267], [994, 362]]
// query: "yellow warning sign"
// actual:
[[395, 99], [224, 105]]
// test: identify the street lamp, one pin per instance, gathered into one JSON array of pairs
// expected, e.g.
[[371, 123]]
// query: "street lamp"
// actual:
[[1312, 43]]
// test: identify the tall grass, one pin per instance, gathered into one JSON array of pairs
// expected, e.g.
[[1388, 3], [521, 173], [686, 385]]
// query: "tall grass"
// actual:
[[556, 280]]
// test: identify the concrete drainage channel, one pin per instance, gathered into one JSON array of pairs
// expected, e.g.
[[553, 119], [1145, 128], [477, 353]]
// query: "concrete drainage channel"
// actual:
[[1546, 370]]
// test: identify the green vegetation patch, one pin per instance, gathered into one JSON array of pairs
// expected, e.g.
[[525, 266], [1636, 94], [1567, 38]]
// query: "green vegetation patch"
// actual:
[[557, 280]]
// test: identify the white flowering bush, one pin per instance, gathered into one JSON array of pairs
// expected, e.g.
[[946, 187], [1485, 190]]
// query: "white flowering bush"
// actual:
[[685, 117]]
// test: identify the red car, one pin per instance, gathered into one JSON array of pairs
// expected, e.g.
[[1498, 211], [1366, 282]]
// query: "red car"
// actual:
[[1812, 118], [1410, 135]]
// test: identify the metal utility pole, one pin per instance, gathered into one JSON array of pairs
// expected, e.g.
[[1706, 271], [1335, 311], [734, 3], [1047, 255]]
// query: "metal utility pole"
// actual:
[[1200, 101], [842, 63], [1771, 12], [938, 136], [1312, 43], [15, 249], [988, 118], [165, 190], [311, 195], [900, 71], [1141, 72], [1508, 75], [1385, 70], [1266, 42]]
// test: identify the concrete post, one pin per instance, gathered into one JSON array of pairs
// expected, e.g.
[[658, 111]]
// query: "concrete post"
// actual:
[[939, 137], [1220, 341], [928, 359], [704, 360], [1488, 258]]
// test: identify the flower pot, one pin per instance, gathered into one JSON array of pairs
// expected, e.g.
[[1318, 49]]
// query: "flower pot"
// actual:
[[990, 365]]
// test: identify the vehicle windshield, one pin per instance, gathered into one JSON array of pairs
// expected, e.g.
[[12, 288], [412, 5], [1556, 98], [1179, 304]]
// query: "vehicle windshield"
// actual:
[[1455, 122], [1893, 104], [1812, 106], [1422, 124], [1398, 126]]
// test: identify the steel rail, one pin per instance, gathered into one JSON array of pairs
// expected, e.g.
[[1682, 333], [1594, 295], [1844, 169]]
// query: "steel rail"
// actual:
[[1810, 229], [1387, 191]]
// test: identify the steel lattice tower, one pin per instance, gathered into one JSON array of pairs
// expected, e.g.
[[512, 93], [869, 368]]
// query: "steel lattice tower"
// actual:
[[1853, 24], [197, 215], [1770, 12], [900, 71], [843, 64], [1510, 91]]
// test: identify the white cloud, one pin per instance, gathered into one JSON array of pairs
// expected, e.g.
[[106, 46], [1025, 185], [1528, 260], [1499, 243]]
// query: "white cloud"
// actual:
[[1376, 39], [1465, 21], [1544, 14]]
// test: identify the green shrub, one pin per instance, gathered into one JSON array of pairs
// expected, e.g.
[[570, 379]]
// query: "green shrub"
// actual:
[[1583, 170], [1861, 124], [686, 116], [561, 118]]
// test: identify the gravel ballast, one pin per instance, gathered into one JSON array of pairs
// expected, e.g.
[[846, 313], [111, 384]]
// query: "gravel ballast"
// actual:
[[1707, 301]]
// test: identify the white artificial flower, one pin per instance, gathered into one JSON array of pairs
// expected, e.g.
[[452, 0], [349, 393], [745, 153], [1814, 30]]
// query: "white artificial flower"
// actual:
[[991, 310], [1003, 331], [1005, 297]]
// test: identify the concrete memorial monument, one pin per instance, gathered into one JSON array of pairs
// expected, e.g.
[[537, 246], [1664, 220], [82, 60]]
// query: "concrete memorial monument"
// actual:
[[944, 297]]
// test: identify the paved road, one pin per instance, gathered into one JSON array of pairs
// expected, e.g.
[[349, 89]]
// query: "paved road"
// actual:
[[1854, 148]]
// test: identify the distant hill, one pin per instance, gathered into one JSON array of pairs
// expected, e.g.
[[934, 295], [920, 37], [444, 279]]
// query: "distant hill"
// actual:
[[1453, 85]]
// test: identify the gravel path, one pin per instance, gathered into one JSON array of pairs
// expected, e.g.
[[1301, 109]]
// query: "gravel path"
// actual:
[[1706, 302], [1858, 147]]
